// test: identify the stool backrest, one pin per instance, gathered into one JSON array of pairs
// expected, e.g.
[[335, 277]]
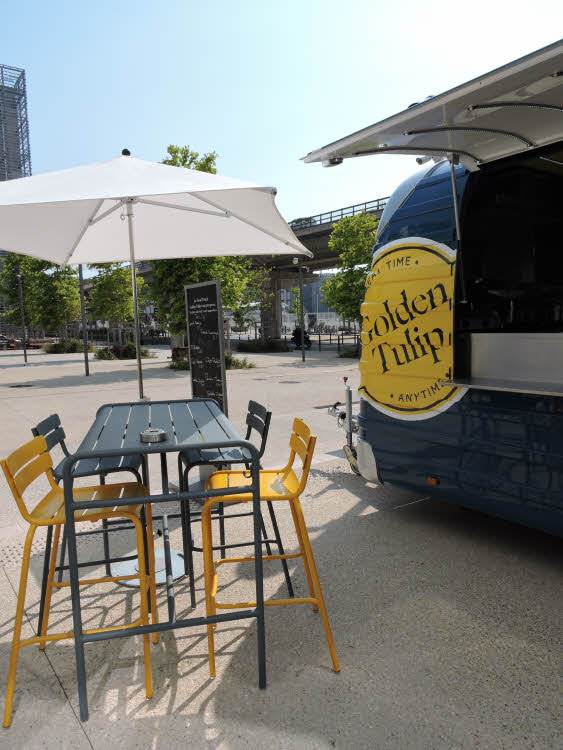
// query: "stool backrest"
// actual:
[[52, 431], [24, 466], [302, 443], [258, 418]]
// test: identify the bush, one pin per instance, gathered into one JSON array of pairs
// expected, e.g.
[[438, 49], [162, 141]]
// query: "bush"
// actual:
[[258, 346], [179, 364], [353, 353], [104, 354], [66, 346], [232, 363], [122, 351]]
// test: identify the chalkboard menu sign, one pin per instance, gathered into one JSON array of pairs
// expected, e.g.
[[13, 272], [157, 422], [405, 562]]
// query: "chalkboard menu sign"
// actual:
[[204, 313]]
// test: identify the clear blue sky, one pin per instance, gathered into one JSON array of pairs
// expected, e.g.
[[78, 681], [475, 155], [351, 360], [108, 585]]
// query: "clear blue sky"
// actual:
[[261, 83]]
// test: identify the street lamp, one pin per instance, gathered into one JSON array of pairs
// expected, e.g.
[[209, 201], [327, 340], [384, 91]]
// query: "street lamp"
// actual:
[[300, 269], [83, 316], [22, 315]]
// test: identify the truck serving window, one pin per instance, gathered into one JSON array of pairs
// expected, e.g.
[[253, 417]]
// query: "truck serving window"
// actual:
[[512, 231]]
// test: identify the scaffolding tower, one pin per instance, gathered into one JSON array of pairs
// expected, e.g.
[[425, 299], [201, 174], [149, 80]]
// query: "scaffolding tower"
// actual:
[[15, 155]]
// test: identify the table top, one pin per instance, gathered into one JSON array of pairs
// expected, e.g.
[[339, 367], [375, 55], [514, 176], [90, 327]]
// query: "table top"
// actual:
[[189, 424]]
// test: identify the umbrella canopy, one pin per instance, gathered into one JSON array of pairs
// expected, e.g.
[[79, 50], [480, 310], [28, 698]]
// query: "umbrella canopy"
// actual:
[[75, 215], [87, 214]]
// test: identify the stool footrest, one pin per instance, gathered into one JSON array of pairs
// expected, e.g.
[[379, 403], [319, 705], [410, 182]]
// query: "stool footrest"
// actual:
[[62, 636], [239, 544], [92, 581], [268, 603], [264, 557]]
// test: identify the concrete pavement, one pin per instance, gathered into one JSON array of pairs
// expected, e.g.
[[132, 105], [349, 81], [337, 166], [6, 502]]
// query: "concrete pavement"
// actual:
[[447, 622]]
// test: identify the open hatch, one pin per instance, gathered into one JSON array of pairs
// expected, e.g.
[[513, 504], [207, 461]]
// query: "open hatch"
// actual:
[[506, 129]]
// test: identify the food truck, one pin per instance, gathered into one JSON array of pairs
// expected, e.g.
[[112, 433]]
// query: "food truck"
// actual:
[[462, 334]]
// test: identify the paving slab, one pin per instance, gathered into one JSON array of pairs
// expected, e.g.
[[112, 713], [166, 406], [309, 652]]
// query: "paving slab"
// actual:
[[447, 622]]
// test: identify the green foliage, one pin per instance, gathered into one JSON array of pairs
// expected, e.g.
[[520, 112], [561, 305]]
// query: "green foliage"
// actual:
[[295, 303], [353, 239], [232, 363], [256, 293], [66, 346], [112, 293], [50, 292], [259, 346], [170, 277], [353, 353], [183, 156], [179, 364], [104, 353], [239, 282], [122, 351]]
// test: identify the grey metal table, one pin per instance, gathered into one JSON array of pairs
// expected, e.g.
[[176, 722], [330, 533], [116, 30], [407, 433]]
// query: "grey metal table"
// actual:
[[193, 423]]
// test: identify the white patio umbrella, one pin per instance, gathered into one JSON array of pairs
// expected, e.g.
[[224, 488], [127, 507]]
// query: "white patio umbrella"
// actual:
[[88, 214]]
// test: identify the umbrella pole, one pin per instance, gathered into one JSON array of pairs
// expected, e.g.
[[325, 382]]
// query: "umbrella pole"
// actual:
[[83, 313], [135, 303]]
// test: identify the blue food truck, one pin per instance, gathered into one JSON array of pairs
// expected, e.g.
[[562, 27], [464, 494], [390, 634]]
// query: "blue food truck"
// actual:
[[462, 333]]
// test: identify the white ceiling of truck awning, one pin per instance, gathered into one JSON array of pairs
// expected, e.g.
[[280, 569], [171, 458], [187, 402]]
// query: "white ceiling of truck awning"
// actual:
[[508, 111]]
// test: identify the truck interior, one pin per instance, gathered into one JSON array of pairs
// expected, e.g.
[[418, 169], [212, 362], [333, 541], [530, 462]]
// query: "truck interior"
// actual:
[[512, 248], [512, 228]]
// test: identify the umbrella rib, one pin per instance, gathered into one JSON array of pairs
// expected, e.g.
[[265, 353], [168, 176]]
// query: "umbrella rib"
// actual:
[[108, 212], [160, 204], [255, 226], [82, 232]]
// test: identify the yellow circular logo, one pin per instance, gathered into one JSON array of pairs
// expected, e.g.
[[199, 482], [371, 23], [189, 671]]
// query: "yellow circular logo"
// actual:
[[407, 329]]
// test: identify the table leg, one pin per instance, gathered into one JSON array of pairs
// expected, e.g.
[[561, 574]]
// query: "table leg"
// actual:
[[76, 608], [164, 472], [145, 472], [168, 563]]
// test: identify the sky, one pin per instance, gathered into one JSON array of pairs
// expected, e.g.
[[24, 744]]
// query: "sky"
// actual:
[[260, 83]]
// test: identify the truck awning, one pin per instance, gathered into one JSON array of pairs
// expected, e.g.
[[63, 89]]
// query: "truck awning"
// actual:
[[511, 110]]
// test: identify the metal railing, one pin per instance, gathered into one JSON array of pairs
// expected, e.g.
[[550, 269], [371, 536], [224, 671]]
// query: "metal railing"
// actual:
[[331, 216]]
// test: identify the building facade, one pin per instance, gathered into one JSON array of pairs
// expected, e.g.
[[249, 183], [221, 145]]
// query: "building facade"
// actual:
[[15, 155]]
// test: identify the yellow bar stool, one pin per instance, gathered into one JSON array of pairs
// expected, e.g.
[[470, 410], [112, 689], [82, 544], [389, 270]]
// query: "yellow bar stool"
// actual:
[[275, 486], [23, 467]]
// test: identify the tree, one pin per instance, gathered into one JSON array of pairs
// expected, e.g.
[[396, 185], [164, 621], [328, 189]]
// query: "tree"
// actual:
[[257, 294], [183, 156], [295, 307], [353, 239], [50, 293], [112, 294], [170, 276]]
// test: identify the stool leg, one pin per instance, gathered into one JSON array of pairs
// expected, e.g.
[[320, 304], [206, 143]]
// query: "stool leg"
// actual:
[[17, 627], [303, 555], [150, 555], [105, 535], [182, 484], [265, 535], [221, 512], [46, 564], [279, 545], [144, 607], [49, 590], [62, 557], [313, 568], [187, 537], [208, 574]]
